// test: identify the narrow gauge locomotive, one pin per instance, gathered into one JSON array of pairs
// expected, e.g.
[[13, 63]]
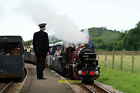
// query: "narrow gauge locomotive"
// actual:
[[78, 63], [11, 58]]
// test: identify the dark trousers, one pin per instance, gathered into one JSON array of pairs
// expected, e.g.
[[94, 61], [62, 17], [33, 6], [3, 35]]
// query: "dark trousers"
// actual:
[[41, 58]]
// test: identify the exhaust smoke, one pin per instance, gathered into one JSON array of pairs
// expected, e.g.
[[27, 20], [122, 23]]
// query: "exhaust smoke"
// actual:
[[23, 16]]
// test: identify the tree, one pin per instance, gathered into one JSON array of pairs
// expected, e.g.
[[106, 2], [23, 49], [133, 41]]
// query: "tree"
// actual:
[[132, 41]]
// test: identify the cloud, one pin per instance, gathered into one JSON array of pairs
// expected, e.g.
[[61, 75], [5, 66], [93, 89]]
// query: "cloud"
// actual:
[[65, 18], [22, 17]]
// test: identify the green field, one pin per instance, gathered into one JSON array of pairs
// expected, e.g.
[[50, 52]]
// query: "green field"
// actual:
[[126, 65], [124, 80]]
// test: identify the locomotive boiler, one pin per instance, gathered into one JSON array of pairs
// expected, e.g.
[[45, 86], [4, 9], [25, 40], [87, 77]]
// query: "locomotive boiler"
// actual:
[[88, 68]]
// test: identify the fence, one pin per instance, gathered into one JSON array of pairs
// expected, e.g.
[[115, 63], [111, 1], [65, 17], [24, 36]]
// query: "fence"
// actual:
[[125, 60]]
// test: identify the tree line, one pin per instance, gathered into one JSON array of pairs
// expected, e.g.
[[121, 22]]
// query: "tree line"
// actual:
[[105, 39]]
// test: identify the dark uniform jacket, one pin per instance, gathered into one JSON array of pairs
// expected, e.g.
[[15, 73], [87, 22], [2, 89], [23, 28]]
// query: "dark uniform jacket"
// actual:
[[41, 42]]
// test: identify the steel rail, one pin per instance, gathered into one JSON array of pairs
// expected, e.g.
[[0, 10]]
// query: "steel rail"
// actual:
[[97, 88], [5, 87], [88, 88], [101, 87]]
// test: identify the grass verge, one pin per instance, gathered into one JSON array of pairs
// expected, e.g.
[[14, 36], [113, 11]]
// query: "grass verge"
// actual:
[[123, 81]]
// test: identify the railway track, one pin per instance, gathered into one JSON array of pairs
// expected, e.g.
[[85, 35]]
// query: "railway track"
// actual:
[[5, 86], [88, 88], [98, 88]]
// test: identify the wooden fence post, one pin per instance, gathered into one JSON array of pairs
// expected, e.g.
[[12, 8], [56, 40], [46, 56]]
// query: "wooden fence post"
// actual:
[[121, 61], [133, 60], [105, 60], [113, 59]]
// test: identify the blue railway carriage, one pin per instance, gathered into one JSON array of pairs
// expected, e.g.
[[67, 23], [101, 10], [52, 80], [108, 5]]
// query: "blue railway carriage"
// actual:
[[11, 58]]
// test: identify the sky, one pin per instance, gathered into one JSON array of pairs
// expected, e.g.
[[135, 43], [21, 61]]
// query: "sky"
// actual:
[[65, 18], [113, 14]]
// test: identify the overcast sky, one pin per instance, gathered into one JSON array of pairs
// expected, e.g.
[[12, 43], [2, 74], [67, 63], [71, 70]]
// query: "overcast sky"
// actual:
[[114, 14], [22, 16]]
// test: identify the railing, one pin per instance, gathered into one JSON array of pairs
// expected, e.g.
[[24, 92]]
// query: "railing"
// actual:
[[121, 60]]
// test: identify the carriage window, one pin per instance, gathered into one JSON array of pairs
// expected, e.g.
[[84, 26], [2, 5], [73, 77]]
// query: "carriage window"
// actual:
[[10, 49]]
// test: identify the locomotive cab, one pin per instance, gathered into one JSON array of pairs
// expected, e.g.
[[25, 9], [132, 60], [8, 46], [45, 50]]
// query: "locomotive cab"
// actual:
[[11, 58]]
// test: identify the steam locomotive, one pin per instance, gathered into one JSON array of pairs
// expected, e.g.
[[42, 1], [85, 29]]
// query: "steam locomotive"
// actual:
[[77, 63]]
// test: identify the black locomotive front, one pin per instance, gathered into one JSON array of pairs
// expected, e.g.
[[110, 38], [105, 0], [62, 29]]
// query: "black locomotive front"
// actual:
[[88, 68]]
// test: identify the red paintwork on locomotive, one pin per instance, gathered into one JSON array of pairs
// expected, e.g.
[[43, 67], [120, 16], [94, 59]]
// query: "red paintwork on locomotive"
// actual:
[[74, 55]]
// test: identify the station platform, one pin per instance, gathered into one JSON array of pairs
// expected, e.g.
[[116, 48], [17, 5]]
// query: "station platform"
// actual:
[[49, 85]]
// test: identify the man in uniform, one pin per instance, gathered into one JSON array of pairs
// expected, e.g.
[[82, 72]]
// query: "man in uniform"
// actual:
[[41, 48]]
